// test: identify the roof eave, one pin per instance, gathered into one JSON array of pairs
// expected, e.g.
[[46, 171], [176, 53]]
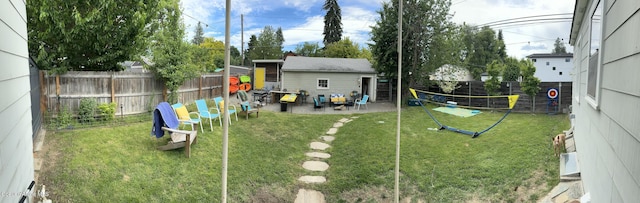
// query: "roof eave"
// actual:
[[578, 15]]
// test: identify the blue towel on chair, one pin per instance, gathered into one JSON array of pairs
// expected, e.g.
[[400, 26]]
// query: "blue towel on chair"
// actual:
[[163, 115]]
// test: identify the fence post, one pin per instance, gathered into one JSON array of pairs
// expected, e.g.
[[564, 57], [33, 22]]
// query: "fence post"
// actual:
[[43, 96], [200, 87], [58, 91], [113, 89], [164, 93]]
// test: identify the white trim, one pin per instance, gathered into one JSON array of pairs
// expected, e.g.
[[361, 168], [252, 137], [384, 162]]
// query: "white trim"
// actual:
[[318, 84], [595, 102]]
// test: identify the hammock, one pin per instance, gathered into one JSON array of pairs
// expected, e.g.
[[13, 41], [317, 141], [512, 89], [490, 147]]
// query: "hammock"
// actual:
[[512, 102]]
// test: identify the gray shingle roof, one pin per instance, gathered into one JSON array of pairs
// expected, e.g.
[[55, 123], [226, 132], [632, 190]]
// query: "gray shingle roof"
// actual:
[[321, 64]]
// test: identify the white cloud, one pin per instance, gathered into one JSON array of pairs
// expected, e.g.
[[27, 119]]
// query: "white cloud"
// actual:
[[303, 5]]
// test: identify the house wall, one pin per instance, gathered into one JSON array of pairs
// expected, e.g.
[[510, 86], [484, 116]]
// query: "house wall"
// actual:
[[546, 73], [608, 138], [16, 146], [341, 83]]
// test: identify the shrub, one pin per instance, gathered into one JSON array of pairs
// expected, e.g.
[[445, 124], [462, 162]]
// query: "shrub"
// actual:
[[87, 110], [107, 111], [63, 119]]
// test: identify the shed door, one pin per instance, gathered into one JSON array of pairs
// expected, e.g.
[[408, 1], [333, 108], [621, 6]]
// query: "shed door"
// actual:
[[258, 78]]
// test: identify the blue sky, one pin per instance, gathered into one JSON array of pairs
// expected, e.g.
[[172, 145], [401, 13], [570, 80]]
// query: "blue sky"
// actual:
[[303, 20]]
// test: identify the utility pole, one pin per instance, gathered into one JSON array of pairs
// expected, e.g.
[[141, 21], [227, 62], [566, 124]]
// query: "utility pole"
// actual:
[[242, 39]]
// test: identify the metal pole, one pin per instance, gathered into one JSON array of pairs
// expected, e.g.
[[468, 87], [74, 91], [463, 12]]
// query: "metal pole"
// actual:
[[242, 40], [398, 105], [225, 89]]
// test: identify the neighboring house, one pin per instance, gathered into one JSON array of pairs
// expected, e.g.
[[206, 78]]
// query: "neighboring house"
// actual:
[[606, 100], [327, 76], [485, 76], [16, 144], [134, 66], [266, 73], [553, 67], [451, 73]]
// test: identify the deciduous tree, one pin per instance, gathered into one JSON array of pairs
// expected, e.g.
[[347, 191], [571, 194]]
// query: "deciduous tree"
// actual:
[[424, 22], [171, 58], [530, 84], [89, 35]]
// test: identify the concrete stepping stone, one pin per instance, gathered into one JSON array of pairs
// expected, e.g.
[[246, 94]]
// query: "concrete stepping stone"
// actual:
[[313, 179], [332, 131], [348, 121], [337, 125], [319, 145], [315, 165], [354, 117], [318, 155], [309, 196], [327, 138], [343, 120]]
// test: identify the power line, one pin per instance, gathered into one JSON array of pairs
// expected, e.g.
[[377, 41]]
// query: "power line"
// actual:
[[530, 23], [518, 18], [525, 21], [185, 14]]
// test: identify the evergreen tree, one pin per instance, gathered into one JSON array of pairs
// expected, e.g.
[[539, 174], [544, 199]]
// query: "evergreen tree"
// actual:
[[502, 49], [251, 48], [558, 47], [332, 22], [198, 37]]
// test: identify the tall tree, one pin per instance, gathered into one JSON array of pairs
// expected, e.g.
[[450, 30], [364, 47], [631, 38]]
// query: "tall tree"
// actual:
[[235, 55], [198, 37], [530, 84], [502, 49], [342, 49], [77, 35], [511, 70], [332, 22], [424, 22], [251, 49], [268, 45], [492, 85], [482, 50], [558, 47], [170, 53], [215, 53], [309, 49], [279, 38]]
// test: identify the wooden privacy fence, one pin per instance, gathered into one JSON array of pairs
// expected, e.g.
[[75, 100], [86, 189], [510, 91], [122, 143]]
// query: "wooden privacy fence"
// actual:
[[133, 92]]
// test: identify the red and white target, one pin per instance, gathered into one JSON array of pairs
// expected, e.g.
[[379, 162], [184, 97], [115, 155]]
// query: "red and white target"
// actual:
[[552, 93]]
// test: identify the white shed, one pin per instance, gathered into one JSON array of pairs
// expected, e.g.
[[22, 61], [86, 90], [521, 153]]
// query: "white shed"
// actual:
[[327, 76]]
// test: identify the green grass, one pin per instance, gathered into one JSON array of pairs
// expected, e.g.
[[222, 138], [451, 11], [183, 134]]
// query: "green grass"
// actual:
[[120, 164]]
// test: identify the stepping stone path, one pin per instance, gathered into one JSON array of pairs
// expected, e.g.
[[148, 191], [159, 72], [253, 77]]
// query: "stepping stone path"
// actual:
[[316, 164]]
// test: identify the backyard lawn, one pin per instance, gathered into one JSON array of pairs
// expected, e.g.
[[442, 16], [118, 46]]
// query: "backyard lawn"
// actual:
[[119, 163]]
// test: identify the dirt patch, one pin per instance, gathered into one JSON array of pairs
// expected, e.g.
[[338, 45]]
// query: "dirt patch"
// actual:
[[532, 187], [271, 194], [368, 194], [51, 155]]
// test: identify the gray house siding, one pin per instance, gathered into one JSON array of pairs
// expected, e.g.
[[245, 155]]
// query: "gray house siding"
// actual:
[[339, 83], [608, 137], [16, 147]]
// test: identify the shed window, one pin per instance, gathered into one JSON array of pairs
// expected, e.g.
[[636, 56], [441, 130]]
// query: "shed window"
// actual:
[[323, 83], [567, 60], [547, 63]]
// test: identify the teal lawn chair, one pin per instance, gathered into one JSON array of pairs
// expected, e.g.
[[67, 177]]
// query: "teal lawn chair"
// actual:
[[185, 117], [230, 111], [206, 113], [362, 101]]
